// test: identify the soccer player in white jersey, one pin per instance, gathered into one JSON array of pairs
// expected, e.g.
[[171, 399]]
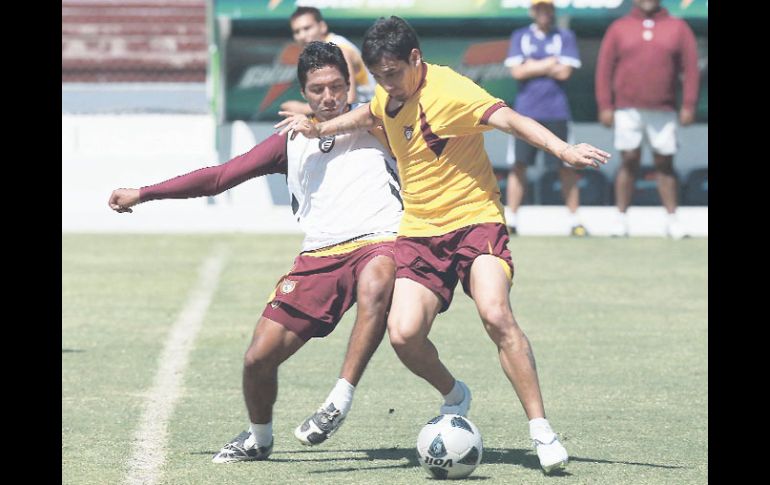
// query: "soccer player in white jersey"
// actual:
[[345, 195]]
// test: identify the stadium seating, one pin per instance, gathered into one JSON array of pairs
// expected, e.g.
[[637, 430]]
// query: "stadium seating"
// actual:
[[646, 188], [593, 185], [695, 189], [502, 182], [134, 41]]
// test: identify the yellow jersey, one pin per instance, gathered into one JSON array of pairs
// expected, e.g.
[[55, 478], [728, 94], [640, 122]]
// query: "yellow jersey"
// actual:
[[437, 137]]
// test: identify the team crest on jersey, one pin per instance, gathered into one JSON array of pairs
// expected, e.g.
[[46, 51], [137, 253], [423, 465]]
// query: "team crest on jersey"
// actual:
[[408, 132], [326, 143], [288, 286]]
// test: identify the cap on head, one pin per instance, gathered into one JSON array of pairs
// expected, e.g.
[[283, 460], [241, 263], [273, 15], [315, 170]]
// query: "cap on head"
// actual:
[[538, 2]]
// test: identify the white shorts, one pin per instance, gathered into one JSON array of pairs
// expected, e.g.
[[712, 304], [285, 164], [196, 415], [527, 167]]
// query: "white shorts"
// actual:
[[659, 127]]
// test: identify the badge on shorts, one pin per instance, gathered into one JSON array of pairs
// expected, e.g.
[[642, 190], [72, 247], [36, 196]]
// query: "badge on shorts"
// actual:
[[326, 143], [274, 304], [288, 286], [408, 132]]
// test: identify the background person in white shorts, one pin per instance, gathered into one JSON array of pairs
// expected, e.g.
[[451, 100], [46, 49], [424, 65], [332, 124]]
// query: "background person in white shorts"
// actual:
[[640, 61]]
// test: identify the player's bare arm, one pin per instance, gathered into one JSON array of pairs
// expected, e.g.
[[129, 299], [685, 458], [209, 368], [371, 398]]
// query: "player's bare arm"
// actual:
[[579, 156], [533, 68], [122, 199], [358, 119], [560, 72], [352, 81]]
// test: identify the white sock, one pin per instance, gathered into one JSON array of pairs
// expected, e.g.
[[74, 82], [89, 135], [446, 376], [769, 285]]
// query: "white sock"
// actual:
[[261, 435], [455, 396], [672, 217], [538, 427], [510, 217], [574, 220], [341, 396]]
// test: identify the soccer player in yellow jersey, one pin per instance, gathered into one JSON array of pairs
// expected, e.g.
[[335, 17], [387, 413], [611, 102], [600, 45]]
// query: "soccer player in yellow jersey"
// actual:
[[453, 227]]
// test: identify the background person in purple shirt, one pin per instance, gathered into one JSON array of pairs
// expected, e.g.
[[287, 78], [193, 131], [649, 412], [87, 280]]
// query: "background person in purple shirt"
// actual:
[[541, 57]]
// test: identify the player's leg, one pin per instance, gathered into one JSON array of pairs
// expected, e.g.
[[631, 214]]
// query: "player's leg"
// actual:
[[661, 130], [664, 165], [425, 283], [373, 295], [271, 344], [568, 177], [628, 139], [489, 286], [571, 194], [411, 316], [624, 181], [520, 156], [374, 288]]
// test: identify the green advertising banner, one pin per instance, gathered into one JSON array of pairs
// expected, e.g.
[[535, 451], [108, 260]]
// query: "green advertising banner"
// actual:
[[442, 9], [262, 72]]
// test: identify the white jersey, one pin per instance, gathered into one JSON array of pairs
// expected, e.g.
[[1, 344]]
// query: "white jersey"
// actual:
[[342, 188]]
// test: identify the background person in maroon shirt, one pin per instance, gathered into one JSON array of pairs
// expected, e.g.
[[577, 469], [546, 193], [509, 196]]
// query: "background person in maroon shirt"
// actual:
[[640, 61]]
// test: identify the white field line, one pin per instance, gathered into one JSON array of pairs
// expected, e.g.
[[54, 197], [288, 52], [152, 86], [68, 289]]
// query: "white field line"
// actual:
[[149, 445]]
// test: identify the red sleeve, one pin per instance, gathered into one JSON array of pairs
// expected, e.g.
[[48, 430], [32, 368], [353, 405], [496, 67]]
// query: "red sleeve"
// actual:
[[266, 157], [605, 65], [689, 66]]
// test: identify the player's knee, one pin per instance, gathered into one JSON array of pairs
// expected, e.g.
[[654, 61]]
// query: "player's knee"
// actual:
[[259, 363], [377, 290], [402, 339], [631, 164], [665, 166], [497, 315], [501, 326]]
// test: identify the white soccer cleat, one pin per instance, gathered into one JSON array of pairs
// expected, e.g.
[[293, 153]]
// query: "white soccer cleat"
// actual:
[[550, 452], [236, 450], [462, 407], [317, 428]]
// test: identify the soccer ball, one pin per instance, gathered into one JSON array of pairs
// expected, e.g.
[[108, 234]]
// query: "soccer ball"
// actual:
[[449, 446]]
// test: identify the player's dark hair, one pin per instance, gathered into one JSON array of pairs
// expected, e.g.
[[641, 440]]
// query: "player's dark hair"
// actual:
[[321, 54], [304, 11], [392, 36]]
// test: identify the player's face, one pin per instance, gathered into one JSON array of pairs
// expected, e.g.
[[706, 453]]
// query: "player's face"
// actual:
[[647, 6], [306, 29], [326, 91], [400, 79]]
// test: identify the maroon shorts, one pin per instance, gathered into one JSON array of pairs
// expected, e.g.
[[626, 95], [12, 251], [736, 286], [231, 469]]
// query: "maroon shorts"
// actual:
[[311, 299], [438, 262]]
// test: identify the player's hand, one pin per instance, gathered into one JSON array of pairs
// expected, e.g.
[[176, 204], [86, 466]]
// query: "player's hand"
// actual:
[[686, 116], [584, 155], [122, 199], [296, 123], [607, 117]]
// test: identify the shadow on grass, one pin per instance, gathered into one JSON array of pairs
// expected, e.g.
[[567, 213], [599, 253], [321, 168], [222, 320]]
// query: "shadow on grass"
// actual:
[[68, 351], [513, 456]]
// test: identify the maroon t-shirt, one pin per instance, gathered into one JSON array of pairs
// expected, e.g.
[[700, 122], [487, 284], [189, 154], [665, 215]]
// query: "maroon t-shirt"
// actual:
[[265, 158], [640, 60]]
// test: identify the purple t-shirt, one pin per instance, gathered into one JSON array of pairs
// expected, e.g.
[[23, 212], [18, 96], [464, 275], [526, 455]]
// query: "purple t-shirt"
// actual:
[[543, 98]]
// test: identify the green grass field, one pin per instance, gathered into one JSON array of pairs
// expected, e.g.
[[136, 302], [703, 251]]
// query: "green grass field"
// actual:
[[619, 329]]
